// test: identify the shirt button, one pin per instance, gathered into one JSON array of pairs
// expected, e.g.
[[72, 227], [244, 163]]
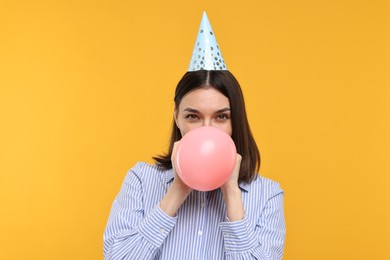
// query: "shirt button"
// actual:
[[202, 204], [162, 230], [200, 232]]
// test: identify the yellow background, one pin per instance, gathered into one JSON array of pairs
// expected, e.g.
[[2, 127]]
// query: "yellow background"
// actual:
[[86, 91]]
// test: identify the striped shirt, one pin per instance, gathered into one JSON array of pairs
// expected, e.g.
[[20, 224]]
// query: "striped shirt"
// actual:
[[137, 228]]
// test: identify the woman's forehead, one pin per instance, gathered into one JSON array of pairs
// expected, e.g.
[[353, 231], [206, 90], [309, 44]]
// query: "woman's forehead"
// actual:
[[204, 98]]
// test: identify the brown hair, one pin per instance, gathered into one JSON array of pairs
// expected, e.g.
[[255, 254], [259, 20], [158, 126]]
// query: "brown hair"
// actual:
[[226, 83]]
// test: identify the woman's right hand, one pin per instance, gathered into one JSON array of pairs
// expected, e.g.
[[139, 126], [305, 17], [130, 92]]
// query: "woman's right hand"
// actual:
[[177, 181], [177, 192]]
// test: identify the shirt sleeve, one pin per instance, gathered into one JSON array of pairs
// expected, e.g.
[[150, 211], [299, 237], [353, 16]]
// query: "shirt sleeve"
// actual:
[[265, 240], [130, 234]]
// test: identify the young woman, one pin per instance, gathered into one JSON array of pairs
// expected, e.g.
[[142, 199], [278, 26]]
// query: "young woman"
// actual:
[[157, 216]]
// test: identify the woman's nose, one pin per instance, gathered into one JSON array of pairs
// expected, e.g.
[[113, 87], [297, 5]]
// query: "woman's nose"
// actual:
[[207, 122]]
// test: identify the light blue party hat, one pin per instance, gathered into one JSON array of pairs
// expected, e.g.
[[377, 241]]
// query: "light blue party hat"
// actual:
[[206, 54]]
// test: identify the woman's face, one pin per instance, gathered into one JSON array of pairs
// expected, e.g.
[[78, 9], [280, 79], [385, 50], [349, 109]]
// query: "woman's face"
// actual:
[[203, 107]]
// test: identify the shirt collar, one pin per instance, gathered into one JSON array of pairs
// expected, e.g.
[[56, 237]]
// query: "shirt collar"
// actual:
[[169, 178]]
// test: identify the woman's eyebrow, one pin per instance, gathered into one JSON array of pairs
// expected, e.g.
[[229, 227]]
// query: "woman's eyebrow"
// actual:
[[191, 110], [223, 110]]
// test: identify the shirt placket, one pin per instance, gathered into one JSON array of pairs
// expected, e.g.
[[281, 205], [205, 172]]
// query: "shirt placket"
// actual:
[[201, 225]]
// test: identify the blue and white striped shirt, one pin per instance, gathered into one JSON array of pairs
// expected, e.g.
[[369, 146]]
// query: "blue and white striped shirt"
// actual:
[[138, 229]]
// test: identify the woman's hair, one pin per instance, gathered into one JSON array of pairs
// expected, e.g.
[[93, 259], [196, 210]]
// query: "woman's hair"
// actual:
[[226, 83]]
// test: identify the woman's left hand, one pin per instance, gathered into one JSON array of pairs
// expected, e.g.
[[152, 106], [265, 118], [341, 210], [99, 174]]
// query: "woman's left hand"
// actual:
[[232, 182], [232, 194]]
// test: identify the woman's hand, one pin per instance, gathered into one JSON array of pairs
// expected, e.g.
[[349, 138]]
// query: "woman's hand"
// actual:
[[232, 194], [177, 181], [232, 182], [177, 192]]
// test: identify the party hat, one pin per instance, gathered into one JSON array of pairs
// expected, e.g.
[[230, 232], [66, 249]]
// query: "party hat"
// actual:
[[206, 54]]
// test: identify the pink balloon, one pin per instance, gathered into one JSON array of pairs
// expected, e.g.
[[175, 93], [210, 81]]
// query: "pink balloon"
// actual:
[[205, 158]]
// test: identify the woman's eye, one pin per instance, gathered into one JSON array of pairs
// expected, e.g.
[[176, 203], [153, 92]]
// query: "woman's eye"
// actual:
[[223, 116], [191, 117]]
